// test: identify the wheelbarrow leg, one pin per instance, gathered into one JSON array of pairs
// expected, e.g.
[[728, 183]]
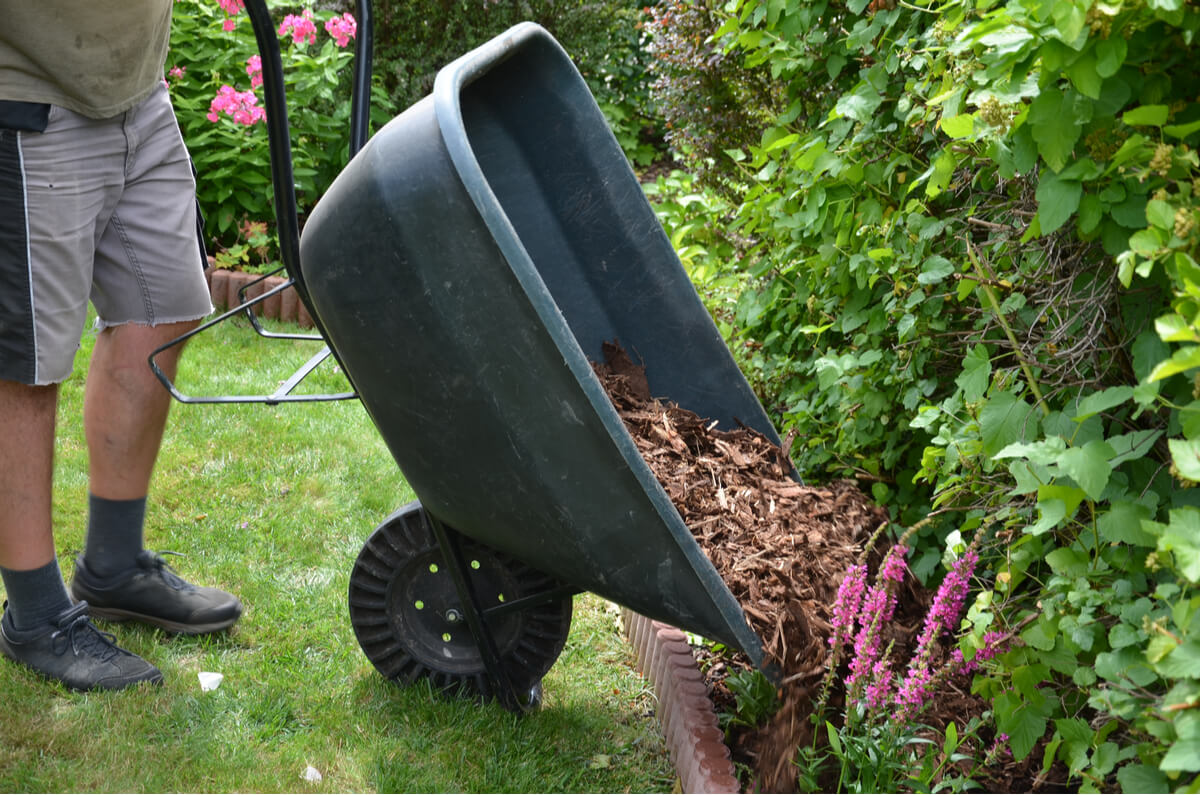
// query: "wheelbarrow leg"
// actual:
[[523, 699]]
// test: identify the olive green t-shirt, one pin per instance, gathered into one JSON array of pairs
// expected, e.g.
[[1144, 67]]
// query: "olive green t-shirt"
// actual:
[[95, 57]]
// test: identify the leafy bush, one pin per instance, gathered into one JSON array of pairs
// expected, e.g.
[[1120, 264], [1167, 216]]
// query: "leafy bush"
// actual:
[[416, 38], [214, 82], [973, 281]]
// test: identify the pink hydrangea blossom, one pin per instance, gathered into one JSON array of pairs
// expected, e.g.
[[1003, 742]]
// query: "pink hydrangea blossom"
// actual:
[[241, 105], [302, 27], [342, 28]]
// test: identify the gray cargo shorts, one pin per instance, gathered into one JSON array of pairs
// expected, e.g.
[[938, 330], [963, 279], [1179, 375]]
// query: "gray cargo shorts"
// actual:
[[99, 209]]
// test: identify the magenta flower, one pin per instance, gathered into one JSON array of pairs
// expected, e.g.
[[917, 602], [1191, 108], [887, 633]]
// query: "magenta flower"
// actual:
[[877, 609], [241, 105], [991, 647], [176, 72], [847, 604], [342, 28], [302, 28]]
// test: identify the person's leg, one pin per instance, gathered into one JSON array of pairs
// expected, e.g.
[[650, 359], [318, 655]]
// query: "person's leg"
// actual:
[[27, 416], [148, 288], [45, 235], [125, 412], [28, 564]]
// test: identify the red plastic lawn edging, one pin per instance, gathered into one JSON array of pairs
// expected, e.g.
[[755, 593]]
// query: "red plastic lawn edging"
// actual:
[[685, 710]]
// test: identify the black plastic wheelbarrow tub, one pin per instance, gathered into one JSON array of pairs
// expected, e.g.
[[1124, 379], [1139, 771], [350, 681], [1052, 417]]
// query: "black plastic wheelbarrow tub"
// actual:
[[465, 266]]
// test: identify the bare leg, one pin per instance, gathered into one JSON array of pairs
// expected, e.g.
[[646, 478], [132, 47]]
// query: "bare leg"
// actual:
[[27, 415], [125, 408]]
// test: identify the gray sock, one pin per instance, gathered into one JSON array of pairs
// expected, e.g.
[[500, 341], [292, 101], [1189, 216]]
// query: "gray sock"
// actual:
[[114, 534], [35, 596]]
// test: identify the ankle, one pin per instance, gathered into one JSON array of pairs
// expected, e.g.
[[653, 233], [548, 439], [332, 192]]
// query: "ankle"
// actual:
[[35, 596], [114, 535]]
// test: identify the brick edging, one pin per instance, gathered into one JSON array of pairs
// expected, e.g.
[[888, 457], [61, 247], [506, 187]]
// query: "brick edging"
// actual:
[[685, 710], [224, 286]]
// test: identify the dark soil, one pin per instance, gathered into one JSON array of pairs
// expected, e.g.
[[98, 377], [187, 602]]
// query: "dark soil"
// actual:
[[781, 547]]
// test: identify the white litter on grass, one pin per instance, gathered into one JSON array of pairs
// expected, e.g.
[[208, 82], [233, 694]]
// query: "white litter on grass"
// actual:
[[311, 774], [210, 681]]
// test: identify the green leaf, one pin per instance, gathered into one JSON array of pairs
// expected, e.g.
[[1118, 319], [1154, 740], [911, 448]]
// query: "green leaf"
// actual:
[[1005, 419], [1181, 130], [976, 373], [1122, 524], [1110, 54], [1085, 75], [1146, 116], [1183, 755], [1057, 200], [960, 126], [1182, 360], [1186, 455], [1160, 214], [1182, 662], [1142, 778], [1074, 730], [1088, 466], [1102, 401], [1023, 724], [935, 270], [1181, 537], [1039, 635], [1055, 126], [1067, 562]]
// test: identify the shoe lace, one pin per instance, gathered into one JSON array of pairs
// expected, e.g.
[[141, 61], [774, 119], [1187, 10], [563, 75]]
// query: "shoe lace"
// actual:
[[84, 639], [152, 560]]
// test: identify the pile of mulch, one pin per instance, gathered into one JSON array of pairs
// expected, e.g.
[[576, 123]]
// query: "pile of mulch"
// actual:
[[781, 548]]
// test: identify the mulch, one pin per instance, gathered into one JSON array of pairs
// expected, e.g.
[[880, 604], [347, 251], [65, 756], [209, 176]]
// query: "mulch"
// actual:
[[780, 546]]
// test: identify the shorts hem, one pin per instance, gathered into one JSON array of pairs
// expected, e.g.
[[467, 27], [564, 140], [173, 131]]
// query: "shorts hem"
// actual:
[[101, 324]]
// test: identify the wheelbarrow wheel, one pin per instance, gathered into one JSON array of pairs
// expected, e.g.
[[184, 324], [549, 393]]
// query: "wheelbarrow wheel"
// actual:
[[409, 619]]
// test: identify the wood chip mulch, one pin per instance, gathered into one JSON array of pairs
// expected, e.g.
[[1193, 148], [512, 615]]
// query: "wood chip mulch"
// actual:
[[780, 546]]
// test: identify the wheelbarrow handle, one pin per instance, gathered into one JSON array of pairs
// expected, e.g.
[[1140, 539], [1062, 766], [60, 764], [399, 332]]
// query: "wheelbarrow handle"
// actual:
[[281, 395]]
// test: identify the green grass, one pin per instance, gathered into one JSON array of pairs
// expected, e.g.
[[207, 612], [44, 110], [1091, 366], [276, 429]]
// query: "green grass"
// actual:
[[274, 504]]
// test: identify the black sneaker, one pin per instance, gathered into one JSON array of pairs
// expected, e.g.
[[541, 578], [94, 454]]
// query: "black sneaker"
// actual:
[[152, 593], [71, 650]]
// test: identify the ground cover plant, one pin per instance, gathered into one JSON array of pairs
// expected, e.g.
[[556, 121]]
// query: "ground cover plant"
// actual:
[[274, 504], [959, 263]]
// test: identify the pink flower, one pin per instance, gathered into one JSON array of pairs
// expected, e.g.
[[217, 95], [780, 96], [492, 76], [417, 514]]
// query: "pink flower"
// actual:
[[231, 9], [254, 69], [991, 647], [176, 72], [947, 605], [302, 27], [241, 105], [342, 28], [848, 603]]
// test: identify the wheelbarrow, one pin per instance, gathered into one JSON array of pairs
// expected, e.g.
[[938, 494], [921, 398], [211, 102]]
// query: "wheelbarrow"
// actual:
[[464, 268]]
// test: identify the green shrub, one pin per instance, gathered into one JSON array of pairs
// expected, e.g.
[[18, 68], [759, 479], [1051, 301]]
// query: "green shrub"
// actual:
[[231, 155], [972, 280], [416, 38]]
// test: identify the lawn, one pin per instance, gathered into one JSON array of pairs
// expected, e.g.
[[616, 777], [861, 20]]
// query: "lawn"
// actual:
[[274, 503]]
